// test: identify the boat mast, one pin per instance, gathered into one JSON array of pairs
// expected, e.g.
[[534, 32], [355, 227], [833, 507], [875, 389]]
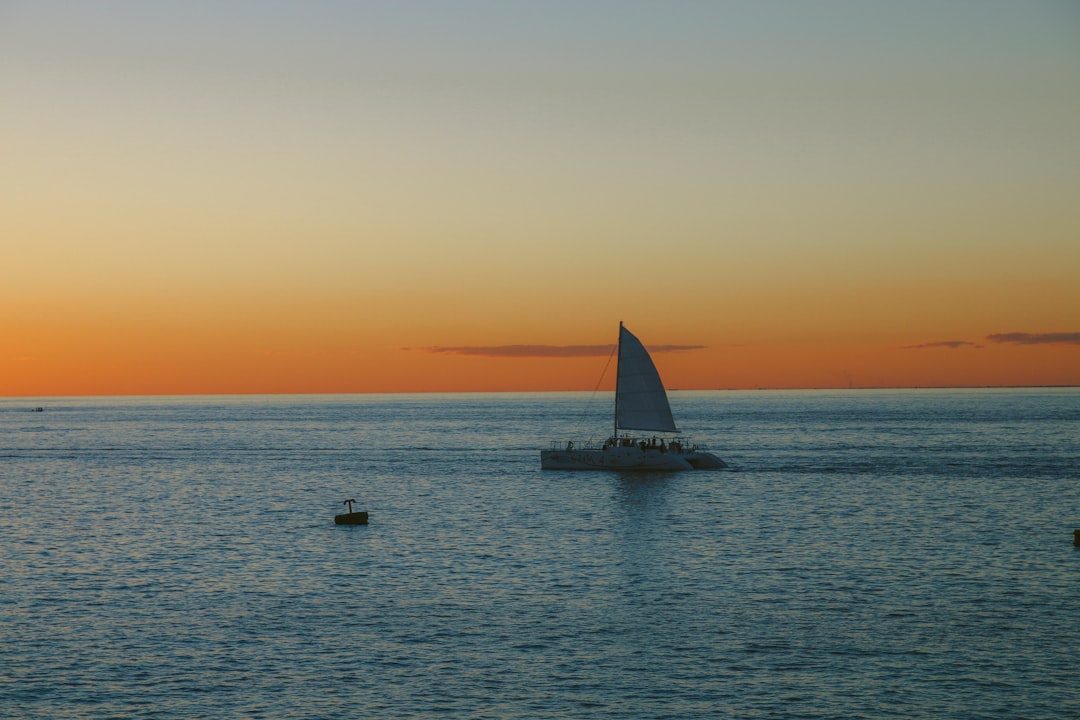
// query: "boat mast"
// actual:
[[618, 351]]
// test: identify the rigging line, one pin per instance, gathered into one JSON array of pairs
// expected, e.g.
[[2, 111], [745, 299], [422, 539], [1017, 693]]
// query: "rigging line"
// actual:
[[592, 398]]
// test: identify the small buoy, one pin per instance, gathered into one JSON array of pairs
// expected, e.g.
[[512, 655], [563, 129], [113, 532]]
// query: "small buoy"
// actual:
[[1076, 538], [351, 518]]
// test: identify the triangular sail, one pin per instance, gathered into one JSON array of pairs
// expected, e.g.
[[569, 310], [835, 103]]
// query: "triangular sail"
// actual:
[[640, 400]]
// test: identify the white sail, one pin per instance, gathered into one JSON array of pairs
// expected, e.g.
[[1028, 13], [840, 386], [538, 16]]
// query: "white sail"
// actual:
[[640, 400]]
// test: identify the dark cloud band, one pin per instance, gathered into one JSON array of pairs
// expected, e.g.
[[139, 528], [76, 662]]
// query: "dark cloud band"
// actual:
[[547, 351], [1013, 338], [951, 344], [1020, 338]]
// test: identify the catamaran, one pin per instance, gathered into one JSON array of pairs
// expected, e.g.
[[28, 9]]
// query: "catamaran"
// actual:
[[641, 406]]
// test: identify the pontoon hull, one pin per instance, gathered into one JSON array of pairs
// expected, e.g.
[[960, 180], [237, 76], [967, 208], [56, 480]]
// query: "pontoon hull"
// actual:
[[628, 458]]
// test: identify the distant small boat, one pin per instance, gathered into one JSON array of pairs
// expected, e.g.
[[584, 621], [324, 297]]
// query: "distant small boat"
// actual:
[[641, 405]]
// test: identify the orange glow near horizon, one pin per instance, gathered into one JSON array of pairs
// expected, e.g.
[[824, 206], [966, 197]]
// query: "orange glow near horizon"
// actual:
[[138, 360]]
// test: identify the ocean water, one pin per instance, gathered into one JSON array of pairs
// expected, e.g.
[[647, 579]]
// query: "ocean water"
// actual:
[[870, 554]]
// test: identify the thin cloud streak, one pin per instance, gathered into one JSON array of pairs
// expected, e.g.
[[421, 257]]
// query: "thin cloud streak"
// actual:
[[1021, 338], [951, 344], [546, 351]]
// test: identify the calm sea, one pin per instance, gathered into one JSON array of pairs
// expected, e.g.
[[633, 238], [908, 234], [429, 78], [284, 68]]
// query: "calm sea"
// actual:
[[870, 554]]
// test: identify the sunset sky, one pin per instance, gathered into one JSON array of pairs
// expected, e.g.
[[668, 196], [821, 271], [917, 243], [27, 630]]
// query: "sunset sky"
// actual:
[[265, 197]]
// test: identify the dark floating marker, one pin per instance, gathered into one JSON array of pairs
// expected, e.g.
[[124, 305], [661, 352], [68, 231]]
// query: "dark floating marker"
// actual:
[[1076, 538], [351, 518]]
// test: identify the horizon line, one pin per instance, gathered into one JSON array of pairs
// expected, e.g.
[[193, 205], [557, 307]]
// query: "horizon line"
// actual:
[[541, 392]]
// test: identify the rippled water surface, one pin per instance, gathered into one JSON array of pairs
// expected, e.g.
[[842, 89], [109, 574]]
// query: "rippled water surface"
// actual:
[[869, 554]]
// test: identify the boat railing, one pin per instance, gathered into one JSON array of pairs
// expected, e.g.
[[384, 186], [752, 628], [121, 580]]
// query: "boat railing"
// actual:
[[589, 444], [684, 443]]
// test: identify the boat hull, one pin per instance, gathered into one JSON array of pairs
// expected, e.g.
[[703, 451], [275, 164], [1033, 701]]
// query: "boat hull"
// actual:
[[628, 458], [701, 460]]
